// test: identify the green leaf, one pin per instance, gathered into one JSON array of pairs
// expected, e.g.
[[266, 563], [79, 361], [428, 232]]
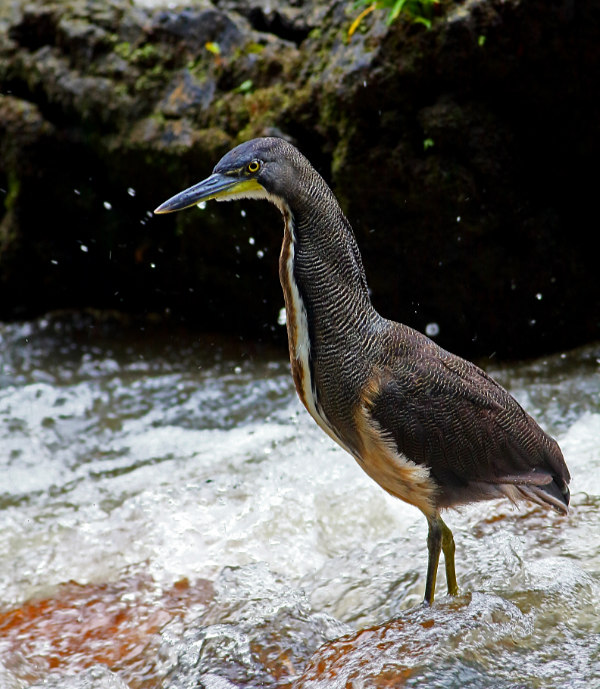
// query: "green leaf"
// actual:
[[213, 47], [244, 87], [395, 11], [422, 20]]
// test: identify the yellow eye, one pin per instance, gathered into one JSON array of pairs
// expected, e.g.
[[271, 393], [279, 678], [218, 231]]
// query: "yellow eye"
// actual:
[[254, 166]]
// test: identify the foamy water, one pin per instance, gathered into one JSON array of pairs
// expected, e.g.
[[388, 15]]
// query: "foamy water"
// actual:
[[181, 457]]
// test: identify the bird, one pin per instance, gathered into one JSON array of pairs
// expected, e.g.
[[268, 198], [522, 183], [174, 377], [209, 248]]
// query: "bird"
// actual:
[[430, 427]]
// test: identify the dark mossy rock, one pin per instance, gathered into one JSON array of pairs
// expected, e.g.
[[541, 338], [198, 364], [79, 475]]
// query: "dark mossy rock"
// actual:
[[461, 154]]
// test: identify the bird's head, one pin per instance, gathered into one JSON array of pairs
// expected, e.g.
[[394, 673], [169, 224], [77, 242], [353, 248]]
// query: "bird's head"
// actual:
[[257, 169]]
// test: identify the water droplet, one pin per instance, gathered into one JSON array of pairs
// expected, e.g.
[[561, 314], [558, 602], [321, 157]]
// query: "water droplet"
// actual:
[[432, 329], [243, 213], [201, 205], [281, 317], [458, 218], [153, 265], [251, 240], [260, 253], [237, 369], [131, 191], [84, 248], [77, 192], [54, 261], [107, 205], [538, 296]]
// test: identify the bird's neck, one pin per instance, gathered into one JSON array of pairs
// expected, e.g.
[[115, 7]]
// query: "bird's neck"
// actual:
[[326, 263], [326, 297]]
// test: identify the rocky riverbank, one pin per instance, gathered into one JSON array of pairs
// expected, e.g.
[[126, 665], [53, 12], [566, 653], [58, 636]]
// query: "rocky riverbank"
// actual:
[[461, 155]]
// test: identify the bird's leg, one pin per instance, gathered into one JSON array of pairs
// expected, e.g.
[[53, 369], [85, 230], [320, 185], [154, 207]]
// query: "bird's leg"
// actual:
[[448, 548], [439, 538], [434, 546]]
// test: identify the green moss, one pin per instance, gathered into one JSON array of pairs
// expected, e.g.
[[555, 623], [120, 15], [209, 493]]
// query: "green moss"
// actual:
[[13, 191], [198, 68], [120, 90], [229, 112], [145, 55], [264, 106], [123, 50], [150, 79], [254, 48]]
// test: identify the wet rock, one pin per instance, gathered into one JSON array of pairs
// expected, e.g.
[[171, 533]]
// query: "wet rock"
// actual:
[[191, 29], [73, 636], [97, 677], [459, 155], [187, 92], [389, 655], [259, 632]]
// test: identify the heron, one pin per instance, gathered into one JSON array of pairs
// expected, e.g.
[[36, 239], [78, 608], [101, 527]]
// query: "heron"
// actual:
[[430, 427]]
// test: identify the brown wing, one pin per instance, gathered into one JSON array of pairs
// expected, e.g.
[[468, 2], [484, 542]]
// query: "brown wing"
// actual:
[[449, 415]]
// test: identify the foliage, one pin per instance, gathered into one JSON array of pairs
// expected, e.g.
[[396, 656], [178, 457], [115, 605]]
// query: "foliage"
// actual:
[[419, 11]]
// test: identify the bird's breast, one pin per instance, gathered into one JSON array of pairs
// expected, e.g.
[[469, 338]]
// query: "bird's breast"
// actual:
[[296, 320], [299, 333]]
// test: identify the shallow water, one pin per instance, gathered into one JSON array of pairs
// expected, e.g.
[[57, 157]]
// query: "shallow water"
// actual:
[[171, 517]]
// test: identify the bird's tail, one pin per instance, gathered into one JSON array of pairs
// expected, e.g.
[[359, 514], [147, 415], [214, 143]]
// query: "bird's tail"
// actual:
[[555, 493]]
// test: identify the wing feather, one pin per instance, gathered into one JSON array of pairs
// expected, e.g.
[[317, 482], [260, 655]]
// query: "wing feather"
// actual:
[[447, 414]]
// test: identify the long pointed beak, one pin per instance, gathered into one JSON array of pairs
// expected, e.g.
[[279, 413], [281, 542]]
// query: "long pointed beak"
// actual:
[[215, 186]]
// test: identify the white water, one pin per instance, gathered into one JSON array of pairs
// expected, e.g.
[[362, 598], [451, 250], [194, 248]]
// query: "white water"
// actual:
[[125, 451]]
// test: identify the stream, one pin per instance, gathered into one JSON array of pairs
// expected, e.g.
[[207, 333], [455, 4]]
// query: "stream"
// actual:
[[170, 516]]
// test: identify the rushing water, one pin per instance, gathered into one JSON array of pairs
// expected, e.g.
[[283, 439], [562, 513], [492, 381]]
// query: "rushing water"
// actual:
[[171, 517]]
